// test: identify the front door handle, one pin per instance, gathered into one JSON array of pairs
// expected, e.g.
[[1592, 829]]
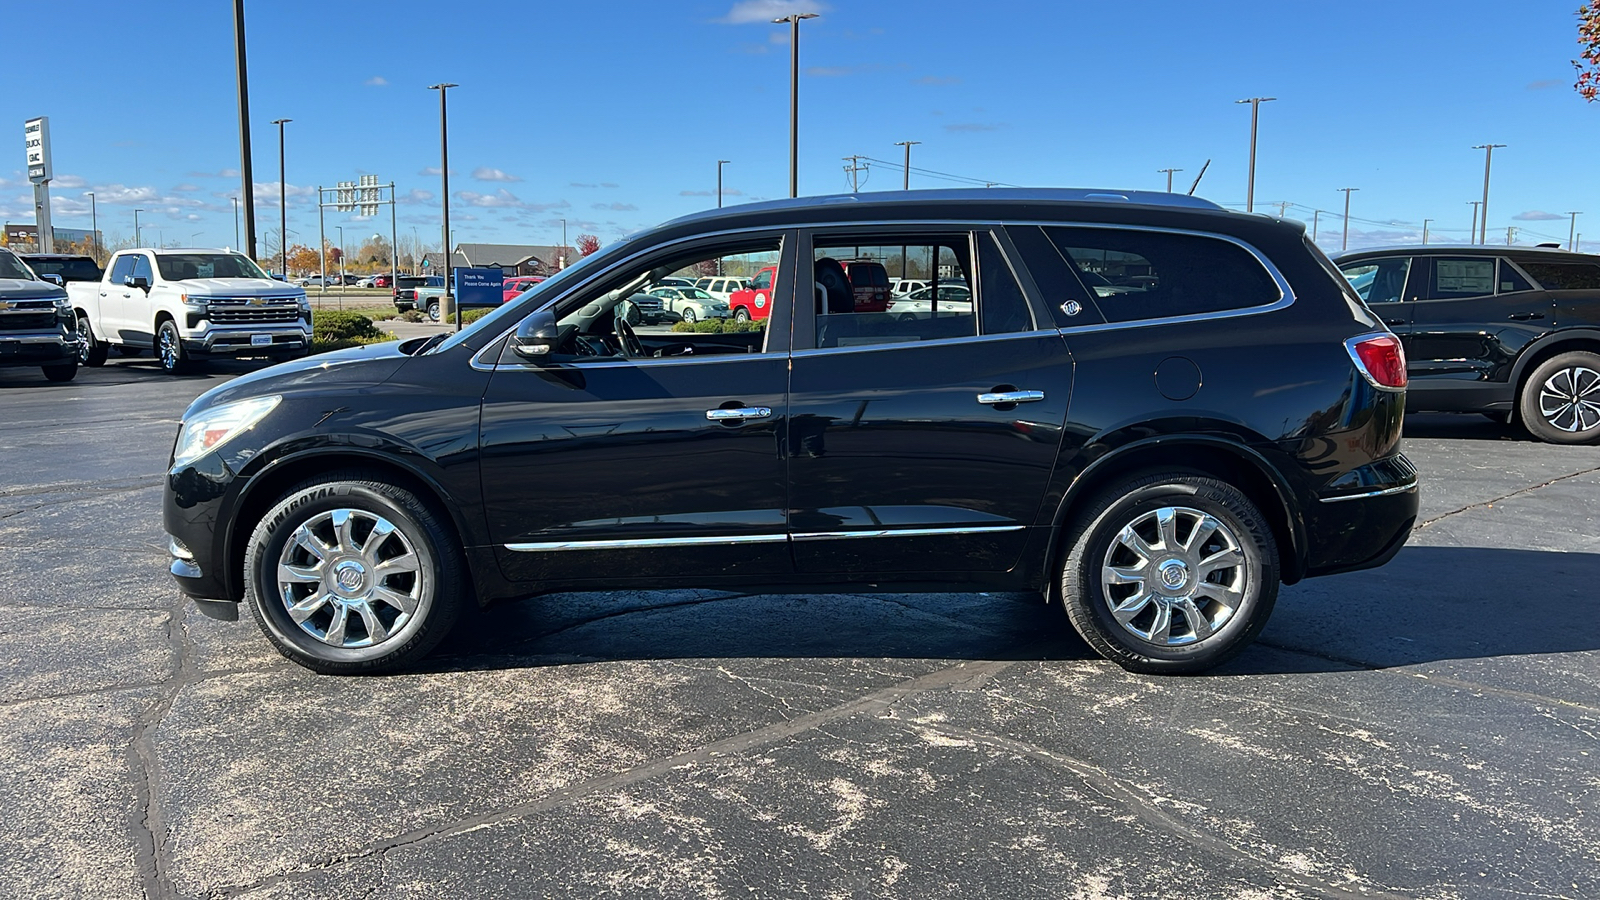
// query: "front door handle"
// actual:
[[1011, 397], [743, 412], [1525, 317]]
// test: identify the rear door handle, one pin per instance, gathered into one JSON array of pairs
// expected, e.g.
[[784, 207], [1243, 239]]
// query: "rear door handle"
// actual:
[[743, 412], [1394, 321], [1011, 397], [1525, 317]]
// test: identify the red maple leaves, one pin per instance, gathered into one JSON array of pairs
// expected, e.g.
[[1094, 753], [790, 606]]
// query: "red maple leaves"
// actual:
[[1588, 62]]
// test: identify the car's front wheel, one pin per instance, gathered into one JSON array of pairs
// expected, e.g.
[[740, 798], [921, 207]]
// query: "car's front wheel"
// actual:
[[1170, 573], [1560, 401], [169, 349], [91, 352], [741, 315], [347, 574], [688, 315]]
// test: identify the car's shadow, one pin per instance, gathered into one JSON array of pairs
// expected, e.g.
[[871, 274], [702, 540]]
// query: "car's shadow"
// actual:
[[1464, 426], [1430, 604]]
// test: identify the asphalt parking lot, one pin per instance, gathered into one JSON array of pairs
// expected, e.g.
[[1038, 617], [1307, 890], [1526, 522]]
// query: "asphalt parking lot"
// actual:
[[1426, 730]]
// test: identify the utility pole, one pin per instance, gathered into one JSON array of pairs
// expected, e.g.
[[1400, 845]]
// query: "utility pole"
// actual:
[[1572, 235], [283, 207], [1345, 244], [247, 187], [1511, 235], [720, 164], [449, 301], [94, 227], [1425, 231], [1283, 209], [854, 169], [136, 241], [1168, 173], [1316, 214], [563, 243], [1488, 159], [1255, 115], [906, 186], [794, 97], [1472, 236]]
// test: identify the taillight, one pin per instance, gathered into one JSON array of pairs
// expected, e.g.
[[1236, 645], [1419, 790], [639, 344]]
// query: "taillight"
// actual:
[[1381, 360]]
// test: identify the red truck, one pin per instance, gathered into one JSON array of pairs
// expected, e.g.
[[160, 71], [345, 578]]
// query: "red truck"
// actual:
[[869, 282]]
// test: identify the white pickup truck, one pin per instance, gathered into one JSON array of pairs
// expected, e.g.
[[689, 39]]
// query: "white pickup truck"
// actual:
[[186, 305]]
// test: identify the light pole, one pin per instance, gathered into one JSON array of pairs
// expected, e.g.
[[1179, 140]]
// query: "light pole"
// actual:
[[720, 164], [283, 207], [1425, 231], [340, 229], [1345, 244], [1472, 235], [1255, 115], [1572, 236], [444, 174], [563, 256], [1488, 158], [235, 222], [1168, 173], [247, 187], [193, 236], [95, 226], [906, 186], [794, 97], [1316, 214], [137, 241]]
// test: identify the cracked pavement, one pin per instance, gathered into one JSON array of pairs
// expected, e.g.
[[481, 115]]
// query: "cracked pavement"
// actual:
[[1426, 730]]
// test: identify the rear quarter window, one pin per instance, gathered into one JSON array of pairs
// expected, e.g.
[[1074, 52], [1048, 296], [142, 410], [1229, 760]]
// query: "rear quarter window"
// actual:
[[1136, 275], [1563, 276]]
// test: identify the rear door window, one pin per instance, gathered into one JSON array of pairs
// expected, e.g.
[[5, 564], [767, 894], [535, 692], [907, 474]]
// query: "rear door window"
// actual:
[[1136, 275], [1456, 278], [1510, 280]]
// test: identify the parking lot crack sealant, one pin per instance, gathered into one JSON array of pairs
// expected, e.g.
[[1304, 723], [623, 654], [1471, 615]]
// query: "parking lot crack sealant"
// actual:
[[149, 824], [1490, 502], [876, 702]]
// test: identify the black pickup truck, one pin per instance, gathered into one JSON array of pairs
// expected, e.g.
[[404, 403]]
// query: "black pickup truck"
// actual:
[[36, 322], [1510, 332]]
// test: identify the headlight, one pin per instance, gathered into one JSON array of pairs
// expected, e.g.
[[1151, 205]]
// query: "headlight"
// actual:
[[63, 302], [216, 426], [194, 302]]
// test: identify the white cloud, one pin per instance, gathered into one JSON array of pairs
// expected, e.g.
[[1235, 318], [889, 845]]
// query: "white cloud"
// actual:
[[497, 200], [376, 81], [186, 188], [68, 181], [748, 11], [266, 193], [484, 173], [416, 195], [617, 207], [433, 171], [1537, 215]]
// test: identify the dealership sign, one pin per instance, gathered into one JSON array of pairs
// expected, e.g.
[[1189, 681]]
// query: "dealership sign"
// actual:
[[38, 135]]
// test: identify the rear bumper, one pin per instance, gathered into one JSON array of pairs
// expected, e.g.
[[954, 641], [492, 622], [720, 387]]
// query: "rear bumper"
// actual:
[[1364, 527], [37, 348]]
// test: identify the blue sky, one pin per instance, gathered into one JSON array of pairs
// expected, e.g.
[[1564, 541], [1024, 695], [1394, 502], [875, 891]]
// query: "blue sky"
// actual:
[[612, 114]]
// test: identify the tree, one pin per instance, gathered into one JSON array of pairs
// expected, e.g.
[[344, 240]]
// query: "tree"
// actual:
[[1588, 61], [304, 259], [588, 243]]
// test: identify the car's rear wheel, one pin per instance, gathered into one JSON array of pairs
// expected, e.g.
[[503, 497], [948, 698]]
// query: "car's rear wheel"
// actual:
[[1170, 573], [169, 349], [91, 352], [347, 574], [1560, 401], [433, 311]]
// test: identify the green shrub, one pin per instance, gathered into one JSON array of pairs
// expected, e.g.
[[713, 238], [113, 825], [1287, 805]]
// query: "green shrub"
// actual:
[[413, 315], [473, 315], [320, 344], [720, 326], [337, 325]]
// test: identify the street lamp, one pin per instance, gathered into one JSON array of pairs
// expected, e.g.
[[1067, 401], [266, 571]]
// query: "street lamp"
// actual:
[[1472, 233], [340, 229], [444, 174], [720, 164], [1168, 173], [1255, 115], [794, 97], [1572, 235], [283, 206], [1488, 158], [193, 236], [1345, 243], [137, 242], [95, 228]]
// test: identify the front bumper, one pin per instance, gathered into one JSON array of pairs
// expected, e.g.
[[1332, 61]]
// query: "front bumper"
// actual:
[[37, 348], [241, 339]]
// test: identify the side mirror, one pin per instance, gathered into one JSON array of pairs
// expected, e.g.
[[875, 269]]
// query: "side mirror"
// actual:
[[536, 338], [53, 279], [137, 281]]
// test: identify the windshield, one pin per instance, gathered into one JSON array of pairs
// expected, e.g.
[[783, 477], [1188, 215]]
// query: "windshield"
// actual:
[[184, 266], [73, 268], [11, 267], [535, 298], [696, 294]]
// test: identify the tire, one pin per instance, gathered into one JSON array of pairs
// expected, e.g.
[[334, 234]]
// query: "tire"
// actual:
[[741, 315], [169, 349], [433, 311], [61, 373], [1164, 512], [389, 620], [91, 350], [688, 315], [1560, 402]]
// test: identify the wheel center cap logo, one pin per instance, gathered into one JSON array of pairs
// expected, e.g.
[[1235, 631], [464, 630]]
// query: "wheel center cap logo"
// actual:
[[1173, 574], [350, 576]]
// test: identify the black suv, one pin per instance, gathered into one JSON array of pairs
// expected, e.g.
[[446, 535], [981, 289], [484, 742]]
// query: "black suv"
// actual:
[[1510, 332], [1147, 408], [37, 327]]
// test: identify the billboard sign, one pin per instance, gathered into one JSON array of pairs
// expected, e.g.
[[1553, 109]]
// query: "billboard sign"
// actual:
[[479, 287], [37, 132]]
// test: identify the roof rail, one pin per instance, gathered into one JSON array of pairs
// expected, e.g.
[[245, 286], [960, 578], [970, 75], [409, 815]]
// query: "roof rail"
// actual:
[[975, 195]]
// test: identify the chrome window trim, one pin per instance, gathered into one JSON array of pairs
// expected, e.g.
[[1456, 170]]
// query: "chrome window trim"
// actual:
[[941, 342], [638, 543], [712, 540], [1398, 489]]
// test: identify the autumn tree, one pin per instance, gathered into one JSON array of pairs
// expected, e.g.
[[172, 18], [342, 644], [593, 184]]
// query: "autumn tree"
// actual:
[[588, 243], [303, 259], [1588, 61]]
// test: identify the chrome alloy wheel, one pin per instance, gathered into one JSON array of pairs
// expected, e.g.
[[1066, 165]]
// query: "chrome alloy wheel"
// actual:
[[1570, 399], [350, 578], [167, 347], [1174, 576]]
